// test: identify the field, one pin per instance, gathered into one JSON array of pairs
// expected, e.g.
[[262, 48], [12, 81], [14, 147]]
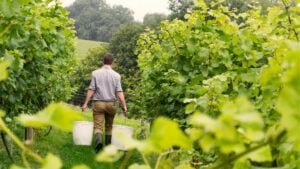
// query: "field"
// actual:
[[83, 46]]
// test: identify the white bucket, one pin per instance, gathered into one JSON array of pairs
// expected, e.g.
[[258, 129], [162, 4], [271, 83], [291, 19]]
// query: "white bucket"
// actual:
[[83, 132], [123, 130]]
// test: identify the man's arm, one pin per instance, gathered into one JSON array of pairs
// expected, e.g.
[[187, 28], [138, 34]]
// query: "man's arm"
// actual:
[[121, 96], [89, 95]]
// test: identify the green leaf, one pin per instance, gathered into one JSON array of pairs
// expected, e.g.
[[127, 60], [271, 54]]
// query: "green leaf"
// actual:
[[201, 4], [202, 120], [138, 166], [16, 167], [289, 99], [243, 112], [82, 166], [109, 154], [184, 166], [3, 70], [242, 164], [190, 108], [129, 143], [58, 115], [2, 113], [194, 133], [249, 77], [207, 143], [5, 7], [261, 155], [52, 162], [166, 133]]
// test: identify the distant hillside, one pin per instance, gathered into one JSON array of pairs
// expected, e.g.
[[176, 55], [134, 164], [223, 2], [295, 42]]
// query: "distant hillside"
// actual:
[[83, 46]]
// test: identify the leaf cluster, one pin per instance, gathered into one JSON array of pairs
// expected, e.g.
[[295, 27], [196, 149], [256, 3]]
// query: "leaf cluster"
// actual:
[[37, 40]]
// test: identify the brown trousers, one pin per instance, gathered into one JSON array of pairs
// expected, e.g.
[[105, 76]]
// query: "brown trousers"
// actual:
[[104, 113]]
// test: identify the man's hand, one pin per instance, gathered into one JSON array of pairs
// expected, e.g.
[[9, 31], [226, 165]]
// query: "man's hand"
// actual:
[[84, 106], [125, 110]]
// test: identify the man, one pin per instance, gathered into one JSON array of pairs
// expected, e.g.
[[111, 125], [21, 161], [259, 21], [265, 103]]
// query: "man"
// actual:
[[105, 87]]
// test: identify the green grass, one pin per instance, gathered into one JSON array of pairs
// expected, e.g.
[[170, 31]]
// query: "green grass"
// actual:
[[83, 46], [61, 144]]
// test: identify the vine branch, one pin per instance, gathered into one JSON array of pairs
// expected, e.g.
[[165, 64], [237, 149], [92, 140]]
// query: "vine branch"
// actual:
[[125, 160], [230, 160], [161, 156], [221, 164], [6, 146], [6, 29], [25, 160], [173, 41], [290, 19], [19, 143]]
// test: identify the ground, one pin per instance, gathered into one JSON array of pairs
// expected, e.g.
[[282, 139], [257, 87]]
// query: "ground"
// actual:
[[83, 46], [61, 144]]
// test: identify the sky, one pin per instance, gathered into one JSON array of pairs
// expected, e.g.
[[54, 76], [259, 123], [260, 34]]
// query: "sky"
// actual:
[[139, 7]]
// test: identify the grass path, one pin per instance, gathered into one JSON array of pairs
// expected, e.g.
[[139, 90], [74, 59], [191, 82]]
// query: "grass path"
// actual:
[[61, 144]]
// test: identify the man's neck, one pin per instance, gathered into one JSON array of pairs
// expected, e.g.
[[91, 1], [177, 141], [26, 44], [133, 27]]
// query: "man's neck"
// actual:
[[107, 66]]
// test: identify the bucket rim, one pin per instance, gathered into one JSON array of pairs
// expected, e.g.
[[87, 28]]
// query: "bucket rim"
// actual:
[[122, 126]]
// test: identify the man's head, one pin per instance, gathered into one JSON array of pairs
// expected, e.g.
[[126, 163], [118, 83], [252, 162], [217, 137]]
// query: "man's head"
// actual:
[[108, 59]]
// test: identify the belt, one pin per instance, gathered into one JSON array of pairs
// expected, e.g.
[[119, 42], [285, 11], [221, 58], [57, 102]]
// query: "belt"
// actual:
[[104, 100]]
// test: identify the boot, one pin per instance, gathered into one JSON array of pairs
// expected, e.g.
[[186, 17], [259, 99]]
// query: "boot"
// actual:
[[99, 144], [107, 139]]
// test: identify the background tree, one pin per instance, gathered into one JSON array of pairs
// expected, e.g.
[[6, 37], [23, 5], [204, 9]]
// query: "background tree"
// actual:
[[96, 20], [123, 44], [153, 20], [179, 8], [240, 6]]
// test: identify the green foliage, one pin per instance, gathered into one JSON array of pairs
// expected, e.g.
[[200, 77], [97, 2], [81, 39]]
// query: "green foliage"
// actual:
[[175, 136], [57, 115], [123, 45], [153, 20], [3, 70], [288, 102], [96, 20], [237, 137], [210, 61], [52, 162], [204, 63], [109, 154], [37, 42], [180, 8]]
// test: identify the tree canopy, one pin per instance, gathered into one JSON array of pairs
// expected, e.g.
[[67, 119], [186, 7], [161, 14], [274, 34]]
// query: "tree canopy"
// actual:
[[123, 44], [153, 20], [96, 20], [179, 8]]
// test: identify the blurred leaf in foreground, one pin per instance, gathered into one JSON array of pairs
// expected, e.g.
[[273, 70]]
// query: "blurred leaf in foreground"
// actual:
[[52, 162], [166, 133], [3, 70], [58, 115]]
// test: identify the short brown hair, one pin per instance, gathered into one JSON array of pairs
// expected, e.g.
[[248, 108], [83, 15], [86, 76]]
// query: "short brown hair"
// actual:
[[108, 59]]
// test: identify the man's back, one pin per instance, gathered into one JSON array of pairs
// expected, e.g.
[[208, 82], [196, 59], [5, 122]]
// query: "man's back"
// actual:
[[105, 82]]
